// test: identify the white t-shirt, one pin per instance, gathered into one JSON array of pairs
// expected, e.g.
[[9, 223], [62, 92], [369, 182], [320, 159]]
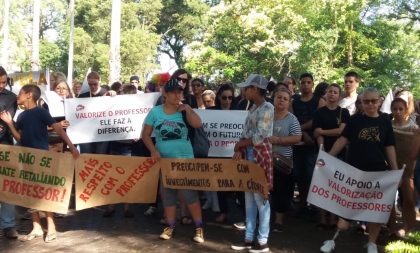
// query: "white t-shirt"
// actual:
[[349, 103]]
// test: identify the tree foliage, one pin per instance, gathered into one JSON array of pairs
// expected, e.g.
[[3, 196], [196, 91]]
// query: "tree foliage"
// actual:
[[327, 38]]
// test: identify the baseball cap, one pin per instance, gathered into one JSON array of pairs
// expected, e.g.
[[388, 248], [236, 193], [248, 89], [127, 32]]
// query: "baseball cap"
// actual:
[[255, 80], [172, 85]]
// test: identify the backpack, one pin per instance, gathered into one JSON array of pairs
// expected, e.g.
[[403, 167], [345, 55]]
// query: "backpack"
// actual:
[[198, 138]]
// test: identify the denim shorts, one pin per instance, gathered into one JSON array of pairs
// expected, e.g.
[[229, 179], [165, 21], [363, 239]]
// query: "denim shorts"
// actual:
[[170, 196]]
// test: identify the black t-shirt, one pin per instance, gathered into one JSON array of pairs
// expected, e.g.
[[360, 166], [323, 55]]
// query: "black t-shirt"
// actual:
[[33, 125], [88, 94], [305, 110], [368, 138], [330, 119], [7, 103]]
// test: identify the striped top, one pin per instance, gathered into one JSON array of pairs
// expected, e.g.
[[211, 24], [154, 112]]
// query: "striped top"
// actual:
[[287, 126]]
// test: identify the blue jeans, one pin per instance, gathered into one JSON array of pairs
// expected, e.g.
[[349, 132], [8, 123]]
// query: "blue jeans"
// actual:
[[256, 204], [7, 215]]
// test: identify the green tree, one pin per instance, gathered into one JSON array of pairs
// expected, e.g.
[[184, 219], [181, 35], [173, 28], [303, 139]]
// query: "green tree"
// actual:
[[181, 22]]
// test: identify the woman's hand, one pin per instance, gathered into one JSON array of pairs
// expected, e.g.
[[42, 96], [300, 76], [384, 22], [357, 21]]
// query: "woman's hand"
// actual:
[[237, 155], [274, 139], [184, 107], [155, 155], [64, 124]]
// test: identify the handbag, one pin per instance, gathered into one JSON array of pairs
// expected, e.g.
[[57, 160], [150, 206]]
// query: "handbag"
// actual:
[[199, 140], [282, 164]]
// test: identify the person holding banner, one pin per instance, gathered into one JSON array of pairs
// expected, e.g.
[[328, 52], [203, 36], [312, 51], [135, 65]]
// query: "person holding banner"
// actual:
[[166, 122], [286, 132], [329, 122], [31, 131], [7, 103], [94, 81], [55, 142], [370, 139], [256, 145], [404, 130]]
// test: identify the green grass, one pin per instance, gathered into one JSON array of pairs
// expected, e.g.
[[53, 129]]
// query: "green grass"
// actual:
[[410, 244]]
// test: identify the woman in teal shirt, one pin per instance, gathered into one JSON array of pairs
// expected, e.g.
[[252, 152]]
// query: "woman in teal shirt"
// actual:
[[171, 132]]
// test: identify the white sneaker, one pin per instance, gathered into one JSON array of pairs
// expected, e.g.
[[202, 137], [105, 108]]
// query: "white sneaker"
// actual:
[[371, 247], [328, 246]]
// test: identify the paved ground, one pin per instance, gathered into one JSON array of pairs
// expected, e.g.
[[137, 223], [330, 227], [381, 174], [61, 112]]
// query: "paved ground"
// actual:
[[88, 231]]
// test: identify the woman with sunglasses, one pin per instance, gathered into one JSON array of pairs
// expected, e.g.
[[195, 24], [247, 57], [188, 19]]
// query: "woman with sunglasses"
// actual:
[[224, 101], [183, 77], [371, 147]]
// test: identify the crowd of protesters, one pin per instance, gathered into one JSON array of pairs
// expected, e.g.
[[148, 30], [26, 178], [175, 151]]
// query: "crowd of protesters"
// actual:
[[289, 119]]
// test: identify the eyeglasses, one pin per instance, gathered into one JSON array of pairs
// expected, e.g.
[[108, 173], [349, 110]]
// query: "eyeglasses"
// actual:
[[370, 101], [196, 84], [227, 97], [180, 79]]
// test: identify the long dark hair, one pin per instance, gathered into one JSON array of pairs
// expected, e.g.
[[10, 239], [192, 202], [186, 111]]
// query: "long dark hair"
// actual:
[[222, 88], [179, 72]]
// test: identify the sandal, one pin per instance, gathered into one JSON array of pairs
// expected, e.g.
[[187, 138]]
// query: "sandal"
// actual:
[[50, 237], [31, 236], [185, 220]]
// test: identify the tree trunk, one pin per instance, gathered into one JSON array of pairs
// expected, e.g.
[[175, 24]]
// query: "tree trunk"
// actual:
[[4, 47], [350, 46], [71, 46], [35, 35], [114, 54]]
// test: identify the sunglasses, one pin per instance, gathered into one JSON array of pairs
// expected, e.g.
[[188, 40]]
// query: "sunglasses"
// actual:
[[227, 97], [184, 80], [370, 101]]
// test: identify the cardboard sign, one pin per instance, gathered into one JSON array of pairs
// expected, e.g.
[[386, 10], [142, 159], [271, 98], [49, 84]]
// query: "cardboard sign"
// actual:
[[214, 175], [223, 128], [108, 118], [108, 179], [351, 193], [35, 178]]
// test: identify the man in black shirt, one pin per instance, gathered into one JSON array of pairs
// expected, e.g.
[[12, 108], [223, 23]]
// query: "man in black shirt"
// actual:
[[7, 103], [304, 154]]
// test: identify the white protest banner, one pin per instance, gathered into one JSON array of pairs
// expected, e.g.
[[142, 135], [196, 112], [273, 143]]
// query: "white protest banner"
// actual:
[[107, 118], [223, 128], [55, 103], [351, 193]]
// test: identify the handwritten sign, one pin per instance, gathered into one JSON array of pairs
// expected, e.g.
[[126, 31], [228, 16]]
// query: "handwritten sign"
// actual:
[[35, 178], [351, 193], [107, 179], [213, 175]]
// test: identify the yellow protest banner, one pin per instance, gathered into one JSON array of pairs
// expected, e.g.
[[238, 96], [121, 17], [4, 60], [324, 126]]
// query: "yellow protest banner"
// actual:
[[35, 178], [214, 175], [109, 179]]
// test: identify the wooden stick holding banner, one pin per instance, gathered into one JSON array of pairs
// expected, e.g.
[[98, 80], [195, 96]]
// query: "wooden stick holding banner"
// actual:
[[35, 178], [351, 193]]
